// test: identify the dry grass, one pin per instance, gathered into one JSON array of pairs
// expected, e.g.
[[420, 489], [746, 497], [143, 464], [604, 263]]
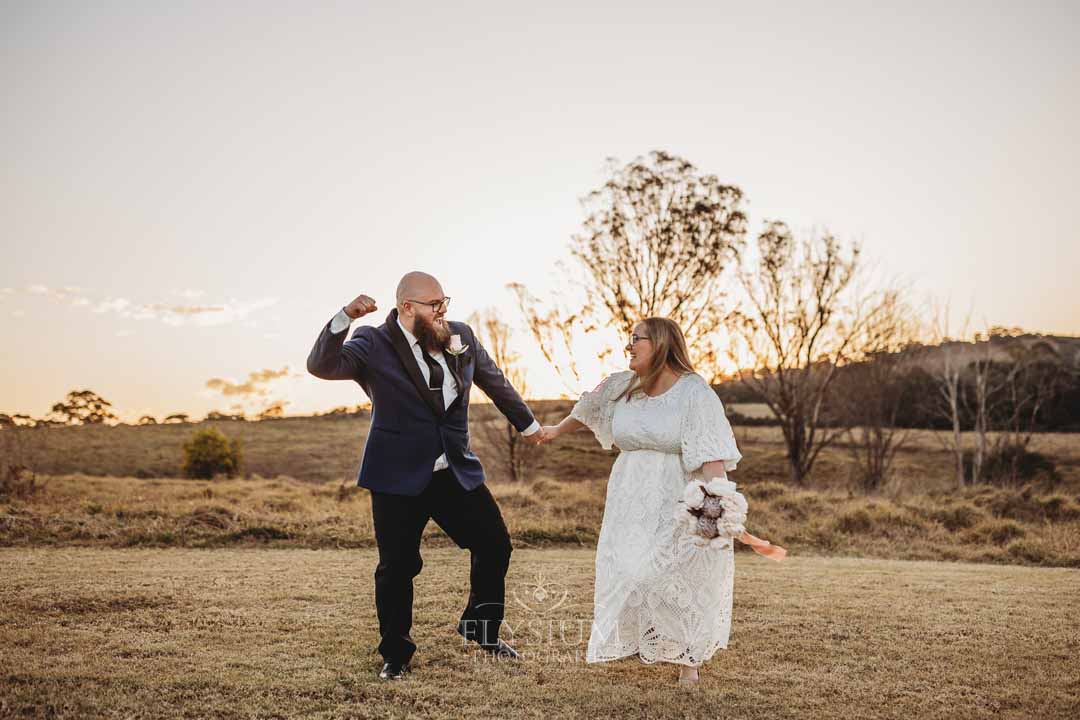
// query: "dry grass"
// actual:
[[981, 524], [291, 633], [326, 449], [307, 496], [308, 448]]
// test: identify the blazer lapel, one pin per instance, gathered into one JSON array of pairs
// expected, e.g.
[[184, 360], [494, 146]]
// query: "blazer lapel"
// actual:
[[408, 360], [453, 362]]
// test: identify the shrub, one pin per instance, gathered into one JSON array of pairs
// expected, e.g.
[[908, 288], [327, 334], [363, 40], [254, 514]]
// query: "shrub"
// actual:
[[876, 519], [18, 482], [791, 508], [739, 420], [260, 532], [958, 517], [1028, 551], [348, 491], [208, 452], [1026, 506], [855, 522], [210, 516], [1012, 463], [996, 531], [1057, 508], [20, 448], [763, 490]]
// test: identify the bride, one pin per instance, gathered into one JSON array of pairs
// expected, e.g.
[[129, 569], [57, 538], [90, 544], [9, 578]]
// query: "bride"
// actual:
[[657, 594]]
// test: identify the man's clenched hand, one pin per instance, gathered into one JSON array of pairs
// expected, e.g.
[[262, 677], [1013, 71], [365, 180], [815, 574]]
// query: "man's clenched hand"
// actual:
[[360, 307]]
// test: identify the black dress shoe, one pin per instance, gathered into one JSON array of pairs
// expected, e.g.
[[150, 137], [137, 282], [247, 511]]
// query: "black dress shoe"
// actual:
[[502, 650], [394, 671], [462, 633]]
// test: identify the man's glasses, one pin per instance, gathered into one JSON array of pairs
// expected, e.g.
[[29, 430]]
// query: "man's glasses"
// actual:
[[435, 305]]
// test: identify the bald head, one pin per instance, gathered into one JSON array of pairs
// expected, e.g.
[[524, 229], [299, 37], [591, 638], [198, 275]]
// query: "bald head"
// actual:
[[417, 285]]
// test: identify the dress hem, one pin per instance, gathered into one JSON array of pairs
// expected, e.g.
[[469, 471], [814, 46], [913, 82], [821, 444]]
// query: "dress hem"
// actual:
[[597, 661]]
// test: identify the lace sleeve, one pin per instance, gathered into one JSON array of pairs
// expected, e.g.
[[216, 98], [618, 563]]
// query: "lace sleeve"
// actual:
[[706, 432], [596, 408]]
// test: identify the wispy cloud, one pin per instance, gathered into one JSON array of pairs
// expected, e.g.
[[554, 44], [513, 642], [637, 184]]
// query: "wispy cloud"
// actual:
[[232, 311], [68, 295], [254, 386]]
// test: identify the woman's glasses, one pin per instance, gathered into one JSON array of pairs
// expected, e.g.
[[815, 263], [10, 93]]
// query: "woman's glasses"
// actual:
[[635, 337], [435, 305]]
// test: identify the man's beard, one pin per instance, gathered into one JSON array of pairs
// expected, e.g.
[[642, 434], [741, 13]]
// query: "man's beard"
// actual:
[[431, 337]]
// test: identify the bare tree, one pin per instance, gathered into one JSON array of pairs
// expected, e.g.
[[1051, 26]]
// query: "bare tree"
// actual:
[[553, 329], [1030, 377], [513, 457], [803, 317], [869, 395], [979, 402], [656, 241], [946, 365], [969, 389]]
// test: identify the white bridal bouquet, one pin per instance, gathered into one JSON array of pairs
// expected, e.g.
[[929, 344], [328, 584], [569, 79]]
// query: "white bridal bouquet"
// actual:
[[714, 511], [715, 515]]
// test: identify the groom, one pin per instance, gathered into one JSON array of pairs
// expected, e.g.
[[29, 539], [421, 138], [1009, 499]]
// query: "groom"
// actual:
[[417, 461]]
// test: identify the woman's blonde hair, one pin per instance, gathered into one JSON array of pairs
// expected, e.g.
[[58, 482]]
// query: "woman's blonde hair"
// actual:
[[669, 350]]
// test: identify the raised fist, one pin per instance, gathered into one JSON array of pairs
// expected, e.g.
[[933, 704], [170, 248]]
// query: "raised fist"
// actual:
[[360, 307]]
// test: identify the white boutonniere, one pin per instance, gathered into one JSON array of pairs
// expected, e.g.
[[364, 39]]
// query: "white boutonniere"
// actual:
[[456, 348]]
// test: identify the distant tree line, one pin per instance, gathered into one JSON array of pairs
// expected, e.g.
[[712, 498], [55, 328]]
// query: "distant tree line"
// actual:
[[916, 390], [85, 407]]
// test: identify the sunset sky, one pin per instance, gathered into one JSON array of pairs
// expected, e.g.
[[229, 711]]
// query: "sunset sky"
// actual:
[[191, 190]]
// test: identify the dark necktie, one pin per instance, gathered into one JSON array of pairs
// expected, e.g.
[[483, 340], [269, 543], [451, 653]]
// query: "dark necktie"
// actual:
[[435, 377]]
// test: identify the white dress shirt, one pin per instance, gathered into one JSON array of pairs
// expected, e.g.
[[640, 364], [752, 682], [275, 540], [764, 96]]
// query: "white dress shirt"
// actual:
[[449, 388]]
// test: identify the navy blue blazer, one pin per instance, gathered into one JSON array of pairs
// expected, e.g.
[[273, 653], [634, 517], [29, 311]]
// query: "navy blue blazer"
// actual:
[[409, 427]]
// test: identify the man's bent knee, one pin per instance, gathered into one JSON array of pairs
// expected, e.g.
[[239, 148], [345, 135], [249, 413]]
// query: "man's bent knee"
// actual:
[[405, 569]]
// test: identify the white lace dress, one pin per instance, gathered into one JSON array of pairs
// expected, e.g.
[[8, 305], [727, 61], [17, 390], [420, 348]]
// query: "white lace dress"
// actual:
[[657, 594]]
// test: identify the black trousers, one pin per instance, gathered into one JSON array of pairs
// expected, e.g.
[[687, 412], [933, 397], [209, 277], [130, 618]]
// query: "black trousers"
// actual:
[[473, 521]]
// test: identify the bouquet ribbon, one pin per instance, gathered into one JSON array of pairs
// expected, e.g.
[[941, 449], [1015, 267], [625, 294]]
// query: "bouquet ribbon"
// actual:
[[763, 547]]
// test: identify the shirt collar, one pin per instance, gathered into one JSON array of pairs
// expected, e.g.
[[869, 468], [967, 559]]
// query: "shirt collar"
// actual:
[[408, 335]]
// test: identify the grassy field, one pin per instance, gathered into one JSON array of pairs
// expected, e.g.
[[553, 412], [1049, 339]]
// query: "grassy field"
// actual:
[[330, 448], [105, 493], [981, 524], [305, 448], [172, 633], [130, 592]]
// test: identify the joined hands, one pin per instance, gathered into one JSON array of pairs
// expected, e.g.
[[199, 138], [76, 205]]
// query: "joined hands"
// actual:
[[545, 434]]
